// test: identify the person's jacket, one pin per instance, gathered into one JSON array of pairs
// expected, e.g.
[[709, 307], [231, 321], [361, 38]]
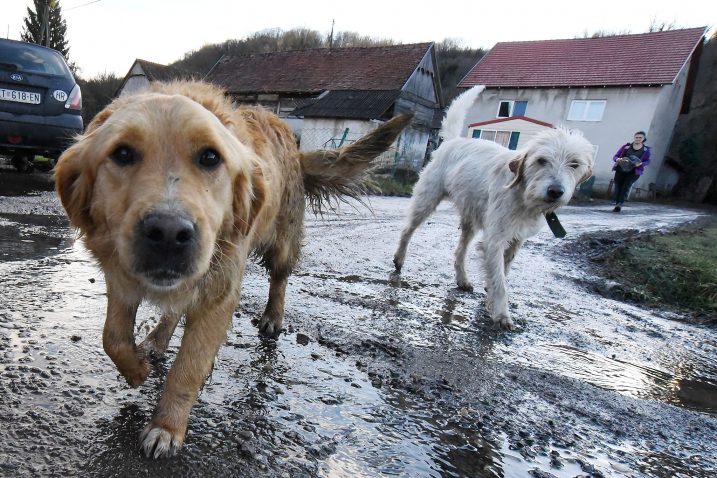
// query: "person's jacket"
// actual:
[[645, 157]]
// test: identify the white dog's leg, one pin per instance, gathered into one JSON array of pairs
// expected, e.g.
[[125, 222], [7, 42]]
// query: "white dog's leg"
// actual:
[[494, 265], [467, 233], [425, 200], [510, 253]]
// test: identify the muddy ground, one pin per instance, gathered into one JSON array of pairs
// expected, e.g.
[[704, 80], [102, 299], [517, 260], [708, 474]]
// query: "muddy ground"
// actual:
[[375, 375]]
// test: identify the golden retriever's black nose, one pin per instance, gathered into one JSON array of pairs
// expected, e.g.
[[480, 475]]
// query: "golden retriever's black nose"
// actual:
[[165, 246], [167, 231], [555, 191]]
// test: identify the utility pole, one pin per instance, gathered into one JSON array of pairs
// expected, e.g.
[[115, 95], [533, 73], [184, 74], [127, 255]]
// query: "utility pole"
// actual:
[[331, 36], [45, 31]]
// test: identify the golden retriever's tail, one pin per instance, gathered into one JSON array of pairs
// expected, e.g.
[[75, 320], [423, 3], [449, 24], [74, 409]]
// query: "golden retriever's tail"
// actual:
[[335, 174]]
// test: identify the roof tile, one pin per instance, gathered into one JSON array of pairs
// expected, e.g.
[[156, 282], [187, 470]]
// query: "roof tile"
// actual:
[[310, 71], [643, 59]]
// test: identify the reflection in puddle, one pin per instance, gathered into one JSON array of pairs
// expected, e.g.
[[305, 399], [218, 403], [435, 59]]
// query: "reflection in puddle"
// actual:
[[394, 280], [26, 237], [630, 379], [314, 397]]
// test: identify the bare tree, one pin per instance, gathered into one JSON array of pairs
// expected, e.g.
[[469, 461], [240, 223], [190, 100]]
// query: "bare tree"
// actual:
[[660, 25], [454, 61]]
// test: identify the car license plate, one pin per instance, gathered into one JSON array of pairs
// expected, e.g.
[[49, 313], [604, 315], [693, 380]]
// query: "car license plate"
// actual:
[[20, 96]]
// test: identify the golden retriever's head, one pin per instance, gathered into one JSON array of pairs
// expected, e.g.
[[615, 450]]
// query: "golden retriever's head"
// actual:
[[550, 166], [159, 183]]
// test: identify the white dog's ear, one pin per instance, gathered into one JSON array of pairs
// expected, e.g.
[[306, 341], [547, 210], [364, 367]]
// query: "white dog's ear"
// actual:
[[517, 167], [586, 176]]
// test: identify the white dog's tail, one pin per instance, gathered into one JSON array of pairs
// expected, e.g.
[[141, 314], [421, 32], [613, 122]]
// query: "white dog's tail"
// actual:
[[452, 126]]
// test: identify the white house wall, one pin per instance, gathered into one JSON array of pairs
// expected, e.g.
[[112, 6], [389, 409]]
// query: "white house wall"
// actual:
[[137, 80], [134, 84], [316, 132], [627, 110], [322, 133]]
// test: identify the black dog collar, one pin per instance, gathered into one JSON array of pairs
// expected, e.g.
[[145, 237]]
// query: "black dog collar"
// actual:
[[554, 224]]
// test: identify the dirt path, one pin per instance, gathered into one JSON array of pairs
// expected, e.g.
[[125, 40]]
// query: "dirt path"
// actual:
[[375, 375]]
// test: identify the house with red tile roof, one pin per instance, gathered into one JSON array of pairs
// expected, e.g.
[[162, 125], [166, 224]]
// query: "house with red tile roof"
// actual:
[[334, 96], [607, 87]]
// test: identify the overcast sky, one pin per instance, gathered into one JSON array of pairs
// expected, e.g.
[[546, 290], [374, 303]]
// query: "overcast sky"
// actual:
[[107, 35]]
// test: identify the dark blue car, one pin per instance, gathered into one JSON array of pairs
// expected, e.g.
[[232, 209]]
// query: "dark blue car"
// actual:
[[40, 102]]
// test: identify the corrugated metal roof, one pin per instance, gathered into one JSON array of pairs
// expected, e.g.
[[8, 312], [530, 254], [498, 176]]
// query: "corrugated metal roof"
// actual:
[[311, 71], [644, 59], [357, 104]]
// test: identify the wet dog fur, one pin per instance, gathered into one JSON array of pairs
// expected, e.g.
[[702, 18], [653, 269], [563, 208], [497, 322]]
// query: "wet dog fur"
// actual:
[[172, 189], [504, 193]]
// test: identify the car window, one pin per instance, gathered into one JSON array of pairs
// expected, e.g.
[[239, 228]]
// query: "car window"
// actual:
[[28, 58]]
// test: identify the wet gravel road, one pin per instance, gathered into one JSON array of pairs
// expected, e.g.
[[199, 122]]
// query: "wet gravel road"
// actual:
[[376, 375]]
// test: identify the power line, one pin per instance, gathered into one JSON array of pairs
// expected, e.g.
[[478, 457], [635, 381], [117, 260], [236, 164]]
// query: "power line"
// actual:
[[83, 5]]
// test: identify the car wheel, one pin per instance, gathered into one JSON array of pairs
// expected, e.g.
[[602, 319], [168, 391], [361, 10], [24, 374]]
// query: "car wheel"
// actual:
[[22, 164], [45, 165]]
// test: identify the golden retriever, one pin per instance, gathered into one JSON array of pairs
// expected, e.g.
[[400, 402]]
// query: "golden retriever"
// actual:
[[172, 189]]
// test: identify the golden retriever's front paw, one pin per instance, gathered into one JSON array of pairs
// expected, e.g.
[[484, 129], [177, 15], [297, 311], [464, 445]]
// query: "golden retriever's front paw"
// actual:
[[270, 326], [131, 362], [157, 442], [138, 374]]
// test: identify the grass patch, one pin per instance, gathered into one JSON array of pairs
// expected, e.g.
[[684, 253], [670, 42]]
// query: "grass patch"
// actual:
[[387, 186], [678, 268]]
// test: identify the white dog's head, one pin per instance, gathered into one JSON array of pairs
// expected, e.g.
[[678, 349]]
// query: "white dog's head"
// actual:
[[550, 166]]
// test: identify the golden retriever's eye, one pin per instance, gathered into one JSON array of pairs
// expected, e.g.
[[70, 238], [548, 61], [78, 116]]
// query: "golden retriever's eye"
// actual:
[[124, 156], [209, 159], [542, 161]]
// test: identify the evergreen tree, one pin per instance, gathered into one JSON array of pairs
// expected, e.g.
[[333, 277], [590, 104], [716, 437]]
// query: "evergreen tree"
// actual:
[[32, 30]]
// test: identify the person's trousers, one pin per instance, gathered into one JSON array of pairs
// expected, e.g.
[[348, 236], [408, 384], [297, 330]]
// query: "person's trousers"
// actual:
[[622, 184]]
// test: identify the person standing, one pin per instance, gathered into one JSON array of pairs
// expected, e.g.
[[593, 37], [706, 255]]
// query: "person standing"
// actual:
[[630, 161]]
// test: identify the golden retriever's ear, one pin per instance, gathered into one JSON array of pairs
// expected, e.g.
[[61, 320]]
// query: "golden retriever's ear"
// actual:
[[102, 116], [517, 167], [75, 174], [249, 196], [74, 181]]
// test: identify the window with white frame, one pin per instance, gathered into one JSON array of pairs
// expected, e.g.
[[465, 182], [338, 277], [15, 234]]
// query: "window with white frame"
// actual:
[[508, 108], [586, 110], [508, 139]]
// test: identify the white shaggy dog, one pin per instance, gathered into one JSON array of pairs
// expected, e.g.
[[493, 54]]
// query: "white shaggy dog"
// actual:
[[505, 193]]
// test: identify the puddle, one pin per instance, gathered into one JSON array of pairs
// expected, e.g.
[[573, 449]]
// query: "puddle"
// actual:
[[364, 431], [699, 394], [394, 280], [24, 237]]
